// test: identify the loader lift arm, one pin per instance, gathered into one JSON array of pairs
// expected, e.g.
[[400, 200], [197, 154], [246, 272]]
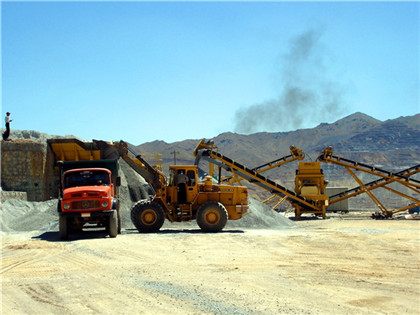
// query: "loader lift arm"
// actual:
[[121, 149], [403, 177]]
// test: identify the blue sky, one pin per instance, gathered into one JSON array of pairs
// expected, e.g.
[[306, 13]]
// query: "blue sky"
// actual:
[[145, 71]]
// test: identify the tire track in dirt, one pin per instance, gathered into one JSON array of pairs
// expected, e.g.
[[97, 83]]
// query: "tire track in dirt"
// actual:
[[43, 293]]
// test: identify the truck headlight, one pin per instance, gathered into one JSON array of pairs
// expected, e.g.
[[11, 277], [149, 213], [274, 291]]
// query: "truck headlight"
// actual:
[[66, 206], [104, 204]]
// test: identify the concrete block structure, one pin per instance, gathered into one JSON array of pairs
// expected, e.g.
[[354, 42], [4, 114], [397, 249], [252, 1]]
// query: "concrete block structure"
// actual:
[[28, 166], [342, 205]]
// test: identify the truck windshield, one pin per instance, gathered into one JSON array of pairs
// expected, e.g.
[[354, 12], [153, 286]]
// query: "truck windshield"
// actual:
[[86, 178]]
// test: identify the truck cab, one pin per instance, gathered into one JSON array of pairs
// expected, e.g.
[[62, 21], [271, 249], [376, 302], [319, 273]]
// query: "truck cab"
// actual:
[[86, 190], [88, 197]]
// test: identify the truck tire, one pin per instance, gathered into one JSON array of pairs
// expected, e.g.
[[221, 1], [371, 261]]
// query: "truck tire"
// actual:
[[113, 225], [212, 216], [119, 222], [115, 205], [147, 216], [63, 227]]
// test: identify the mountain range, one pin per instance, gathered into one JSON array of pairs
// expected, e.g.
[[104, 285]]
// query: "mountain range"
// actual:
[[392, 144]]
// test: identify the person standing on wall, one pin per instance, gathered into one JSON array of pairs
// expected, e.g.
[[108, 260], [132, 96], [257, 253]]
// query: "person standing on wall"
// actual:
[[7, 132]]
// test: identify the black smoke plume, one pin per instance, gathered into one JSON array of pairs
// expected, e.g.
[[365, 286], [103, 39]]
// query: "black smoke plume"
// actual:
[[309, 93]]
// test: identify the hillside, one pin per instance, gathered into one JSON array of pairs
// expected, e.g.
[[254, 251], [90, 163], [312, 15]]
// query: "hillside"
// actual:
[[392, 144]]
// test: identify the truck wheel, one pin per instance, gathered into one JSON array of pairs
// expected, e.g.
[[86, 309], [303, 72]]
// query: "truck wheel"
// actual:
[[113, 225], [147, 216], [63, 227], [119, 222], [212, 216]]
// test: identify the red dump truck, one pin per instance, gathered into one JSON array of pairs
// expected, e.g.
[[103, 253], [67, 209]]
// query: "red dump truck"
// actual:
[[88, 197]]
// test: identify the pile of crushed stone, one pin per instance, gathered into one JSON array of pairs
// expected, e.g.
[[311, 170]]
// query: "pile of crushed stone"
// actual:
[[32, 135], [20, 215], [261, 216]]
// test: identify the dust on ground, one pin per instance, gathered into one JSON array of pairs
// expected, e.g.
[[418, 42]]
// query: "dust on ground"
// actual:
[[328, 266]]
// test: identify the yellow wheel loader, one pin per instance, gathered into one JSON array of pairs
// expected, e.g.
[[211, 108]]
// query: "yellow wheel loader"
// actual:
[[183, 197]]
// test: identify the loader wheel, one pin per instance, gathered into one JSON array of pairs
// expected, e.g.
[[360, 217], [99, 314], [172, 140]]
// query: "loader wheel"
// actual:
[[63, 227], [147, 216], [212, 216], [113, 225]]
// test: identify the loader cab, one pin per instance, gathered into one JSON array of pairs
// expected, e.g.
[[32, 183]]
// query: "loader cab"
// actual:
[[183, 183]]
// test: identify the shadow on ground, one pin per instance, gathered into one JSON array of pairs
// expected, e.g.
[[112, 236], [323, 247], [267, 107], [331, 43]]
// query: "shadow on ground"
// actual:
[[186, 231], [53, 236], [304, 218]]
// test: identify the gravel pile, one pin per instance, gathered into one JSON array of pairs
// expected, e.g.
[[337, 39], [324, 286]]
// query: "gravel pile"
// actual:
[[21, 215], [261, 216], [33, 135]]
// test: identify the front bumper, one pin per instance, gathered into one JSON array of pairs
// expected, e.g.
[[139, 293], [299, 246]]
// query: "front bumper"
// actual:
[[88, 214]]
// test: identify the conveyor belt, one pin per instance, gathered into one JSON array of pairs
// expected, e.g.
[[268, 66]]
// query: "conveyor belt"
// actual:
[[406, 173], [403, 177], [296, 154], [400, 177], [275, 162], [254, 177]]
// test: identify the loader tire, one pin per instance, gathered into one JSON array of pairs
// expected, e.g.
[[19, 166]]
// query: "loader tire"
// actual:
[[212, 216], [113, 225], [63, 227], [147, 216]]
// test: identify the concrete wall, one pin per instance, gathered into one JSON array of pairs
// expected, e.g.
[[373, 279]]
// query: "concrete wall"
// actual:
[[28, 166]]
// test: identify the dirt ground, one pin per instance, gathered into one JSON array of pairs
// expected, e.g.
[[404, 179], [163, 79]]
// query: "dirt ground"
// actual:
[[328, 266]]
